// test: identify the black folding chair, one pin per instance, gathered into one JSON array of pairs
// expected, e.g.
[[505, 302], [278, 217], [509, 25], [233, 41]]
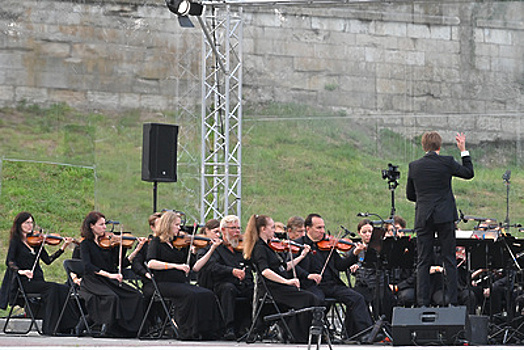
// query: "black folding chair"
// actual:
[[73, 266], [262, 298], [27, 301], [159, 329]]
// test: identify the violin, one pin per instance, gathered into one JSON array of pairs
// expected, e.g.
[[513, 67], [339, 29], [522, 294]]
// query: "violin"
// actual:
[[111, 241], [285, 246], [36, 239], [330, 242], [185, 240]]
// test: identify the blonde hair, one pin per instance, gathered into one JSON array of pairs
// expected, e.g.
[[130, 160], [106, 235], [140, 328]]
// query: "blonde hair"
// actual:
[[164, 226], [253, 233]]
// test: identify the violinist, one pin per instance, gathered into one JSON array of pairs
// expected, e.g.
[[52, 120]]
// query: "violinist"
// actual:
[[276, 272], [327, 265], [232, 278], [23, 259], [197, 312], [114, 307], [295, 227], [369, 281], [138, 263], [210, 230]]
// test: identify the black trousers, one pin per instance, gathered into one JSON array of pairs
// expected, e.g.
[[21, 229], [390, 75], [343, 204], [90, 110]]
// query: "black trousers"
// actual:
[[357, 312], [425, 239], [235, 316]]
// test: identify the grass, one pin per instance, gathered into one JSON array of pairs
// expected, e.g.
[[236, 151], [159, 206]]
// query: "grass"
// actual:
[[296, 160]]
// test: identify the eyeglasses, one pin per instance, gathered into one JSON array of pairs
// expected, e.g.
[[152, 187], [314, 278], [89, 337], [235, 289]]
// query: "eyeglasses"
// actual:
[[234, 227]]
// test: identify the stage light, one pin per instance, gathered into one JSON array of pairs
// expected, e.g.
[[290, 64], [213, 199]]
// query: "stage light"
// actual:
[[184, 7]]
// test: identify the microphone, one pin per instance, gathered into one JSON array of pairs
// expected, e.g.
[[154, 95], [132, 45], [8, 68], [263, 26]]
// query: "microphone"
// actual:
[[366, 214], [507, 175], [347, 232], [380, 222], [112, 222], [406, 230]]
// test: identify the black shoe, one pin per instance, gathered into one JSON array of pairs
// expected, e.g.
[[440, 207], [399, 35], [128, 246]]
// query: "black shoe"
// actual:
[[230, 334]]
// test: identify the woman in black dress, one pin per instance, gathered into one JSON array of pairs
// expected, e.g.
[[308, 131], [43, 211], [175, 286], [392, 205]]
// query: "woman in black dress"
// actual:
[[21, 260], [114, 306], [283, 286], [197, 313]]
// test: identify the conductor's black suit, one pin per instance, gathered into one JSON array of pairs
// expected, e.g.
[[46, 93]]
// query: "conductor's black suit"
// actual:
[[429, 185]]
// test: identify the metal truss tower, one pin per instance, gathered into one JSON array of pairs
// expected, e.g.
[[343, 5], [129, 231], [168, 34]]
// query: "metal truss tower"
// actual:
[[221, 143]]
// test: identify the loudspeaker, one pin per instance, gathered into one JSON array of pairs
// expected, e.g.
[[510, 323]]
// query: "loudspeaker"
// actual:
[[478, 330], [159, 152], [424, 326]]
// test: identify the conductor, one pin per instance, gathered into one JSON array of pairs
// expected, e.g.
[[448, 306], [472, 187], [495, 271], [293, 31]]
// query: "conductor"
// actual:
[[429, 185]]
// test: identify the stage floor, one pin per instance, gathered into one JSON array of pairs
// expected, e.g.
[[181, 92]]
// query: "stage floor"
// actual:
[[75, 343]]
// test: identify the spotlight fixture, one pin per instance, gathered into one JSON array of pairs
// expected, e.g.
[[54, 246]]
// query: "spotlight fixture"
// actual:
[[184, 7]]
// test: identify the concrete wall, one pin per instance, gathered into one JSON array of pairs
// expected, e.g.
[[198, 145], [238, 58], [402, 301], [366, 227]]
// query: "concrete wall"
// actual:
[[463, 58]]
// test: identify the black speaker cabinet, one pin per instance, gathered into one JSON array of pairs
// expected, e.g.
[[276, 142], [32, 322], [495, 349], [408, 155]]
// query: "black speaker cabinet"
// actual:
[[159, 152], [425, 326]]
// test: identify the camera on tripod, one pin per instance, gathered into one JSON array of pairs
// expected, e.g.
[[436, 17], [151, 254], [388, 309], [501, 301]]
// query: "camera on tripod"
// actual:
[[392, 173]]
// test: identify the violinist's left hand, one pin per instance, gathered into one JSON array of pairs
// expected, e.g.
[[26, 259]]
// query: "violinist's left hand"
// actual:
[[141, 242], [216, 242], [315, 277], [67, 242], [359, 247], [306, 250]]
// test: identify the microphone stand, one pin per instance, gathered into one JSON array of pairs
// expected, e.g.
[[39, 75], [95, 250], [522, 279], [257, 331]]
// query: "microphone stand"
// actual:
[[506, 176]]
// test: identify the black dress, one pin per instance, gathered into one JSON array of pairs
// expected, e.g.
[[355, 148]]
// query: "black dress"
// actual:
[[266, 258], [119, 306], [21, 257], [197, 313]]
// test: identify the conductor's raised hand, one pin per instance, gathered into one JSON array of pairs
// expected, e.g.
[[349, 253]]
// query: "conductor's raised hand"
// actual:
[[461, 141]]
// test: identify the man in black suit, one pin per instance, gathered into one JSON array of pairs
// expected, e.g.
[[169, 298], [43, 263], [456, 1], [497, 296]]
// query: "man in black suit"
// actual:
[[429, 185]]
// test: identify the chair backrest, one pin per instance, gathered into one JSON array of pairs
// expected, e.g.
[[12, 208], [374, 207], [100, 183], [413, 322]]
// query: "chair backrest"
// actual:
[[75, 266]]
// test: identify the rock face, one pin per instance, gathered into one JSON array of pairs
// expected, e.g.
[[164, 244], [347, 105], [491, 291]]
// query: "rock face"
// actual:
[[410, 60]]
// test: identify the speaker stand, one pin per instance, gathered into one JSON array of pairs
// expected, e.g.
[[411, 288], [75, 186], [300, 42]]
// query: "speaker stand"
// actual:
[[155, 190]]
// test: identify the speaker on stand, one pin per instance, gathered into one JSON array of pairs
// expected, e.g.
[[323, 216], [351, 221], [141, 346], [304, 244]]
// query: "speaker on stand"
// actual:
[[159, 155]]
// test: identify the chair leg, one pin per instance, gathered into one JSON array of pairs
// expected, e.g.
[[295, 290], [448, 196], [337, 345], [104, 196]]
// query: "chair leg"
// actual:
[[28, 309]]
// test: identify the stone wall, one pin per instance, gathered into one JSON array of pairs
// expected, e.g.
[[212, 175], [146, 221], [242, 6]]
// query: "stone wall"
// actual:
[[461, 58]]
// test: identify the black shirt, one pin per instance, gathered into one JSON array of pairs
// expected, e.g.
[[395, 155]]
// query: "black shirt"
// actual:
[[166, 253]]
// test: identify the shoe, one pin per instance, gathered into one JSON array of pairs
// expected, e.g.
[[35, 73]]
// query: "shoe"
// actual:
[[230, 334]]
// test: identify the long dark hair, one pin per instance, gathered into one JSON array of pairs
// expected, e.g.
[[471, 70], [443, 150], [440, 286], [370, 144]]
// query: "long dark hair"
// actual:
[[16, 229], [253, 233], [90, 219]]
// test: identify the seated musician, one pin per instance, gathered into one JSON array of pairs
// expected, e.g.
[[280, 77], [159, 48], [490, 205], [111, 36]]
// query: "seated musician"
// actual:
[[295, 227], [23, 259], [275, 269], [328, 264], [232, 278], [113, 305], [197, 312], [402, 281], [210, 230], [370, 282]]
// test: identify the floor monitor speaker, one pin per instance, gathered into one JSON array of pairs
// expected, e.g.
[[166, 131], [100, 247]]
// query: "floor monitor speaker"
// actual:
[[428, 326]]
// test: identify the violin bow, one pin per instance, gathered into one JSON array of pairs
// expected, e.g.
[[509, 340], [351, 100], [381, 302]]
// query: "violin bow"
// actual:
[[329, 256], [291, 258], [120, 250], [38, 254], [195, 225]]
